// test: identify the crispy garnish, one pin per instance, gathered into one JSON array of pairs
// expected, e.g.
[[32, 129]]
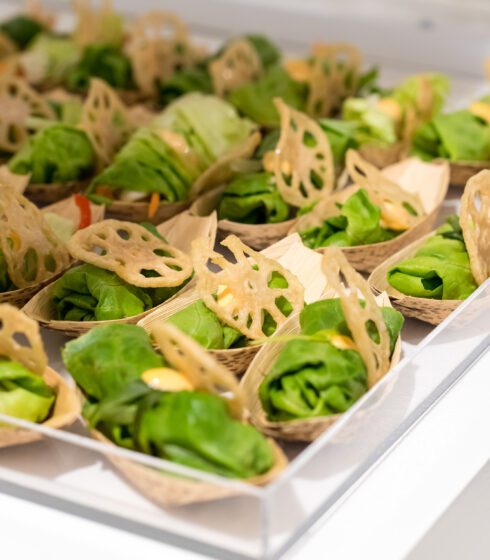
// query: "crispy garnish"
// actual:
[[250, 298], [18, 101], [32, 251], [475, 223], [130, 251], [203, 372], [20, 339], [34, 10], [360, 310], [92, 23], [400, 210], [13, 181], [105, 120], [334, 76], [302, 162], [238, 65]]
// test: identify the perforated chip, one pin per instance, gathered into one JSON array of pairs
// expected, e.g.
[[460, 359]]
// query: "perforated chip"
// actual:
[[32, 251], [334, 76], [360, 310], [204, 372], [105, 120], [13, 181], [18, 101], [240, 293], [302, 162], [94, 24], [158, 45], [20, 339], [400, 210], [223, 168], [238, 65], [35, 10], [475, 223], [132, 252]]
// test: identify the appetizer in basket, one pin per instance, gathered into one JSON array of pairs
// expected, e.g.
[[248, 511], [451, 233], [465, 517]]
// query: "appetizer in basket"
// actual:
[[29, 389], [383, 211], [61, 157], [168, 405], [325, 359], [126, 270], [461, 137], [429, 278], [183, 151], [245, 300]]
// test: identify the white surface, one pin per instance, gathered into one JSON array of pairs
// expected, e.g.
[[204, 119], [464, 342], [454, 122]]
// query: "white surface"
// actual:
[[383, 519]]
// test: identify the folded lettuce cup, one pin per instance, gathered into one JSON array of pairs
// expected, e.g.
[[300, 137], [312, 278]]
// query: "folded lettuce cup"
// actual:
[[383, 211], [461, 137], [123, 272], [179, 405], [429, 278], [231, 310], [61, 157], [29, 389], [386, 122], [292, 169], [323, 359], [184, 151]]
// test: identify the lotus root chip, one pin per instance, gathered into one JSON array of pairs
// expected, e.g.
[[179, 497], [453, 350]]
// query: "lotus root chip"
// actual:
[[239, 293], [18, 101], [334, 76], [13, 181], [189, 358], [238, 65], [105, 120], [158, 46], [222, 169], [92, 22], [133, 253], [20, 339], [400, 210], [360, 309], [302, 162], [475, 223], [34, 10], [31, 249]]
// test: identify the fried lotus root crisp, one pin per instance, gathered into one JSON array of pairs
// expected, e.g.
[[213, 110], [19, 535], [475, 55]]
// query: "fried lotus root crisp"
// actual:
[[20, 339], [105, 120], [133, 253], [238, 65], [333, 77], [32, 251], [360, 309], [400, 210], [203, 371], [302, 162], [158, 46], [475, 223], [34, 10], [93, 24], [18, 101], [239, 293]]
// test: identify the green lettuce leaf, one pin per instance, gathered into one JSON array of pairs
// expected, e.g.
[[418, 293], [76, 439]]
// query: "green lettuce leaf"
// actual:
[[342, 137], [23, 394], [21, 30], [357, 224], [106, 62], [186, 81], [253, 199], [407, 92], [311, 377], [256, 99], [195, 429], [108, 358], [458, 136], [371, 124], [440, 269], [55, 154], [147, 164], [268, 52]]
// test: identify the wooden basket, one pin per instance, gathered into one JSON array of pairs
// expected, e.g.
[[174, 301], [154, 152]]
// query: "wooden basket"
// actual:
[[462, 171], [65, 411], [43, 193], [138, 211], [179, 231], [432, 311], [306, 430]]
